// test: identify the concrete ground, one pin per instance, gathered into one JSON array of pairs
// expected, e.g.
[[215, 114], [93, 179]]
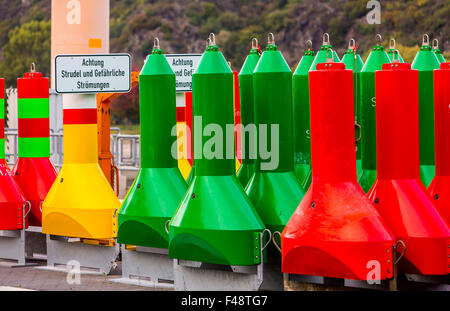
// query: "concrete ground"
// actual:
[[36, 278]]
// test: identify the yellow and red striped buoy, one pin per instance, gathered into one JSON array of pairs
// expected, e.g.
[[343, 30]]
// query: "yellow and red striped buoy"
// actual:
[[81, 202]]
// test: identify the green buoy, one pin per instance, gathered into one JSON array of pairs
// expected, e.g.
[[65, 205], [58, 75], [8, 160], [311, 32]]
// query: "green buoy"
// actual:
[[274, 189], [353, 61], [248, 141], [374, 61], [215, 222], [159, 186], [425, 62], [302, 135]]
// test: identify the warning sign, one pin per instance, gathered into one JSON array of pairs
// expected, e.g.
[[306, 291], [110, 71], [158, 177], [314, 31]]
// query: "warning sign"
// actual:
[[97, 73], [184, 66]]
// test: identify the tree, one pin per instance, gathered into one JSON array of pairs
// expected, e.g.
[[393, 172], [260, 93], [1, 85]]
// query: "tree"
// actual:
[[28, 43]]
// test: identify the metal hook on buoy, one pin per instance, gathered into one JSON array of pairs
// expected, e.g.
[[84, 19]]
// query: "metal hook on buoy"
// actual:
[[274, 241], [156, 43], [268, 240], [330, 59], [378, 38], [392, 43], [29, 207], [351, 43], [435, 44], [33, 67], [396, 60], [115, 213], [326, 39], [427, 42], [308, 44], [358, 126], [254, 43], [403, 253], [270, 39], [212, 39]]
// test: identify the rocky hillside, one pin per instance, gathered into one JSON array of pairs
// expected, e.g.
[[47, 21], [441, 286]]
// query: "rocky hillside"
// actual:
[[183, 27]]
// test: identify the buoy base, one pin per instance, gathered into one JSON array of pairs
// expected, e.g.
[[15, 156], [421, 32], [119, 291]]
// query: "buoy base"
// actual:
[[336, 232], [151, 265], [20, 245], [198, 276], [409, 212], [216, 223], [81, 203], [12, 245], [318, 283], [12, 201], [427, 173], [366, 179], [62, 251], [149, 204], [35, 177], [304, 174], [275, 196], [35, 243]]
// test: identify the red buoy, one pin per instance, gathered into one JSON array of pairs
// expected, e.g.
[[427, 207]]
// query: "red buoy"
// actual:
[[12, 201], [189, 121], [34, 172], [439, 188], [398, 193], [335, 231]]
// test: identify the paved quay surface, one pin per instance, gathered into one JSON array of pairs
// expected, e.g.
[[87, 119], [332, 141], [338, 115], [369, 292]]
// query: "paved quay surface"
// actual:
[[36, 278]]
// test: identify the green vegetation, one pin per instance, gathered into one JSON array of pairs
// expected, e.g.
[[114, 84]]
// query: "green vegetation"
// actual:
[[131, 129], [183, 27], [29, 43]]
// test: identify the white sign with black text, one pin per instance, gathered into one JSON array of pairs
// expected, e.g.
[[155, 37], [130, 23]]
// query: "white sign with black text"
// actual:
[[184, 66], [96, 73]]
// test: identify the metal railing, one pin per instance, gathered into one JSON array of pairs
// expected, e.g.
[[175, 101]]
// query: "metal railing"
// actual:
[[125, 149]]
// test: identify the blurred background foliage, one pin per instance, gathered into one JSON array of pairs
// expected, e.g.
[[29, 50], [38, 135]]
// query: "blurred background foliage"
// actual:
[[183, 27]]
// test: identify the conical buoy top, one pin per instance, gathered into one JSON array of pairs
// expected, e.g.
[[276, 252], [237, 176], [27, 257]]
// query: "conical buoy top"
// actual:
[[437, 51], [393, 53], [321, 55]]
